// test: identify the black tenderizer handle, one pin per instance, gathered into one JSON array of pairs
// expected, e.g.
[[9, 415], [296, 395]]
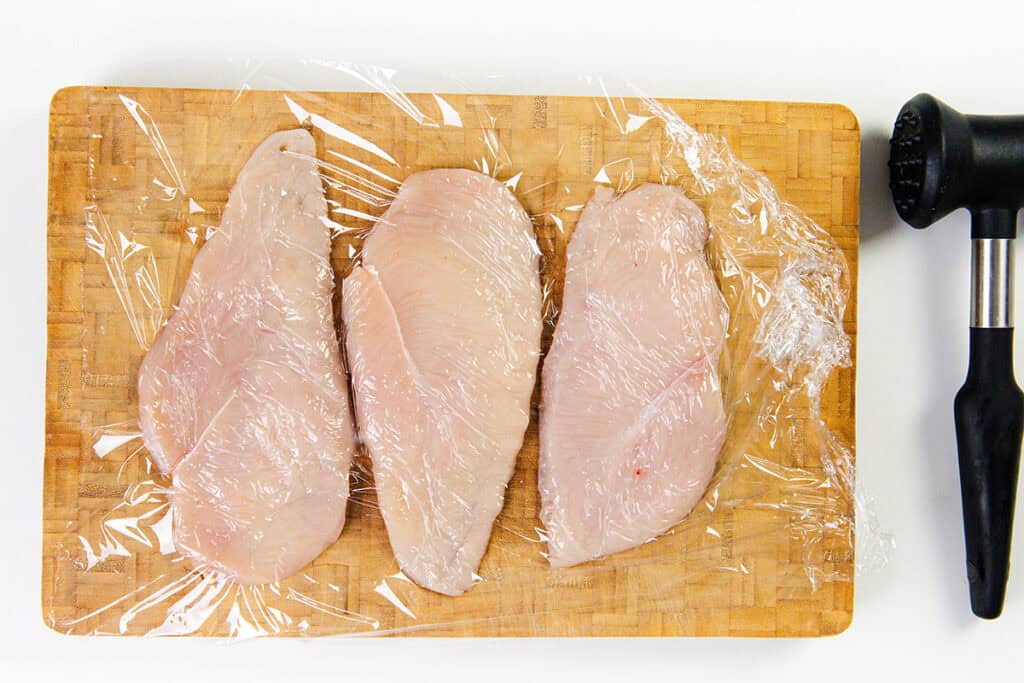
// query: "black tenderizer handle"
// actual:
[[989, 412]]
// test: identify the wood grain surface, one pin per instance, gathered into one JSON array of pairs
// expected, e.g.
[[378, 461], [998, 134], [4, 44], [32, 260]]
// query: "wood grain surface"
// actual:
[[748, 568]]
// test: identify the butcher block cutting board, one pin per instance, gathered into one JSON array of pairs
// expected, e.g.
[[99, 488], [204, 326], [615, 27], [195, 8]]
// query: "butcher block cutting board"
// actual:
[[100, 155]]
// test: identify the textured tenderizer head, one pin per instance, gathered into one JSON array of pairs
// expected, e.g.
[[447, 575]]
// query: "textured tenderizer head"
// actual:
[[928, 156], [941, 160]]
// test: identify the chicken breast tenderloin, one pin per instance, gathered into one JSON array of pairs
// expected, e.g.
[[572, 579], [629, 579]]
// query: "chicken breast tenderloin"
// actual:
[[631, 411], [242, 397], [443, 327]]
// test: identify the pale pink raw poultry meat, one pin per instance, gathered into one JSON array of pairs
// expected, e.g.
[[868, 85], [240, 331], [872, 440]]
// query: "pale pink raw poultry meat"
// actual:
[[242, 397], [443, 325], [631, 410]]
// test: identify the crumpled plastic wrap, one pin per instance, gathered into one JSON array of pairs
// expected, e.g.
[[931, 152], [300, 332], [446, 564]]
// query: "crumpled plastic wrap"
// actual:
[[443, 333]]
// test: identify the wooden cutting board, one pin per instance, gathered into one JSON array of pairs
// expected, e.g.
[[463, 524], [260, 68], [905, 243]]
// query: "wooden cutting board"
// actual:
[[750, 577]]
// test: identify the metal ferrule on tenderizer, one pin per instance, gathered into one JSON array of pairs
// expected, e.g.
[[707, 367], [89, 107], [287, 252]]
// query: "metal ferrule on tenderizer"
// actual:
[[992, 283]]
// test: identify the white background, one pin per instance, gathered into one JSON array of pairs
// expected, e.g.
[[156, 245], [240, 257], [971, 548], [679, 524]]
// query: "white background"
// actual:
[[911, 617]]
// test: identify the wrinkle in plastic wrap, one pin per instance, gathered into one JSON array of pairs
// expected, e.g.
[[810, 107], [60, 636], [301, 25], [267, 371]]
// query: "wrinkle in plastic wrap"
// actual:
[[785, 281]]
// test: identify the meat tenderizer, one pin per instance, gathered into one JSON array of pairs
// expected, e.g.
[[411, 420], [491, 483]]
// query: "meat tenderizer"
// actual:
[[941, 160]]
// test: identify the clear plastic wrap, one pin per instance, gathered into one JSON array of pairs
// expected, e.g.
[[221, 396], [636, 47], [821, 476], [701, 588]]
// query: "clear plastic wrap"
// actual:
[[228, 462]]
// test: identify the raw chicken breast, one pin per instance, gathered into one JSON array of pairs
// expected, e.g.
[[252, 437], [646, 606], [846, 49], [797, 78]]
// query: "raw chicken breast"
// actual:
[[443, 324], [631, 410], [242, 397]]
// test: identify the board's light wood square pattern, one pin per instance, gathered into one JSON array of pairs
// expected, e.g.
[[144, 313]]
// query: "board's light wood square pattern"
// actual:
[[99, 156]]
